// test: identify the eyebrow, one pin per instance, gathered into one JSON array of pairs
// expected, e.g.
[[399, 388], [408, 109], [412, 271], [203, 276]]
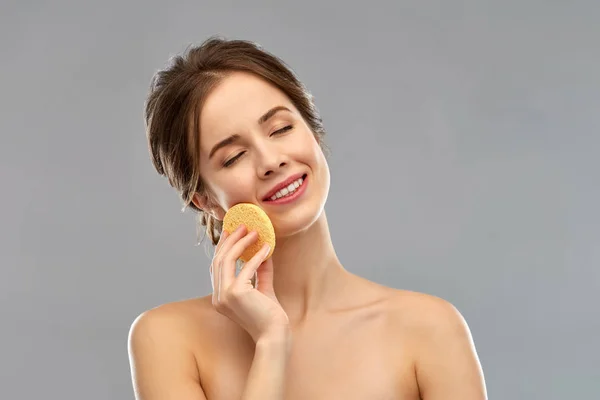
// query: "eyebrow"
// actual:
[[235, 137]]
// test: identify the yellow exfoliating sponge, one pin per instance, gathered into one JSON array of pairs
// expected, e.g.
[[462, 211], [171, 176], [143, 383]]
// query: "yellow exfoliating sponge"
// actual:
[[255, 219]]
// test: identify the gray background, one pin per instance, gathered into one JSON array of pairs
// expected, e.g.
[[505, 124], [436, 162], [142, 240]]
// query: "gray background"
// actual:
[[465, 164]]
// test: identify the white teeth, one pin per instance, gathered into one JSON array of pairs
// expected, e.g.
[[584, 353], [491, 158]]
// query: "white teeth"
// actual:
[[288, 190]]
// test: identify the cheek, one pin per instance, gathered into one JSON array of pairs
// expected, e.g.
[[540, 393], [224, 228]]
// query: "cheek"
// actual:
[[238, 189], [315, 153], [308, 148], [229, 191]]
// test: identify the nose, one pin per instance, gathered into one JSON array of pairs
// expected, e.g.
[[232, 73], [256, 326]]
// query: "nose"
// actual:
[[270, 159], [271, 168]]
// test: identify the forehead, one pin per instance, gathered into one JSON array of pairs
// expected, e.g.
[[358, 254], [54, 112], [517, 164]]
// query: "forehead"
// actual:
[[237, 102]]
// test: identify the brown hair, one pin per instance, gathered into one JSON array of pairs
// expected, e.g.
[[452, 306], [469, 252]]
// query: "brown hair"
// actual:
[[177, 94]]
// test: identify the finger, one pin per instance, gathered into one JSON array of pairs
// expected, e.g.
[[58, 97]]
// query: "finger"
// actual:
[[247, 273], [230, 258], [218, 257], [264, 277], [230, 239], [222, 238]]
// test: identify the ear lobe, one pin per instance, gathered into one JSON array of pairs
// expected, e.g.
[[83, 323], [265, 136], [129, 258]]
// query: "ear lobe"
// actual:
[[200, 201], [204, 204]]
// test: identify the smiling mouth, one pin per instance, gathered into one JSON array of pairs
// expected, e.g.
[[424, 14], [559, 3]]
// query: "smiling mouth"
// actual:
[[285, 192]]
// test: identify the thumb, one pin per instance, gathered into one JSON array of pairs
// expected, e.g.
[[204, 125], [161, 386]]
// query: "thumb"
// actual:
[[264, 277]]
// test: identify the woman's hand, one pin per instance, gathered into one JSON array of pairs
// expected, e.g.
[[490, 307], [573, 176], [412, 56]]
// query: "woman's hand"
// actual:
[[256, 310]]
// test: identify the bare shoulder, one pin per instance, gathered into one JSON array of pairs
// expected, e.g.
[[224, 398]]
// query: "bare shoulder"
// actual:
[[162, 350], [425, 311], [445, 359], [172, 320], [429, 319], [183, 324]]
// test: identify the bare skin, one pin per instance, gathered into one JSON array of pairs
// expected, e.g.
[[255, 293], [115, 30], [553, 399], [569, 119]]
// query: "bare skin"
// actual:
[[381, 343], [349, 338]]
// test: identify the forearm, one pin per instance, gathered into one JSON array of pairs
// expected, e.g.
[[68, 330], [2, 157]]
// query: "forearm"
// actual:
[[267, 373]]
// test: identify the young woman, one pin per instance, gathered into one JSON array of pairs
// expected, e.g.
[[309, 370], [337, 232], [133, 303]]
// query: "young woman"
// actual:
[[227, 123]]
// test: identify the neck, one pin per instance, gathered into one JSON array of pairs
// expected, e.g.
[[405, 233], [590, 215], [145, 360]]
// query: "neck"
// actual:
[[308, 277]]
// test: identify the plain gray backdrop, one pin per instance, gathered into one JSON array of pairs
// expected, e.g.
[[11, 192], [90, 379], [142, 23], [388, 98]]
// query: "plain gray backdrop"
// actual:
[[464, 164]]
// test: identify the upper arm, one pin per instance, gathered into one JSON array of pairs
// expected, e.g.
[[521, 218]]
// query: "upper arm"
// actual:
[[162, 368], [447, 366]]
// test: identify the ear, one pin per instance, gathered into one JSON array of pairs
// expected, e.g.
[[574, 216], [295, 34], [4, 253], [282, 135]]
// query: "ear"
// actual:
[[206, 205]]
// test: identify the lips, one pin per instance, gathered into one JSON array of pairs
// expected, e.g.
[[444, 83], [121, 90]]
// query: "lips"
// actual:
[[283, 184]]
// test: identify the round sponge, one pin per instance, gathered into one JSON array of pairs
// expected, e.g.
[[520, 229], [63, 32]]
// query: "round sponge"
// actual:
[[255, 219]]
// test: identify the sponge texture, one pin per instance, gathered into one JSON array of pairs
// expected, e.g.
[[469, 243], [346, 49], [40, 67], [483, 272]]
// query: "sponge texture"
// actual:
[[255, 219]]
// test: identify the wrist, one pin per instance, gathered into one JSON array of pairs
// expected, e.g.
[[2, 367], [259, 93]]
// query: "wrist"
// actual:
[[278, 337]]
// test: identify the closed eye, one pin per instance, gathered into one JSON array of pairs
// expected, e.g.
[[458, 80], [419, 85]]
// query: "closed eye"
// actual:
[[282, 130], [232, 160]]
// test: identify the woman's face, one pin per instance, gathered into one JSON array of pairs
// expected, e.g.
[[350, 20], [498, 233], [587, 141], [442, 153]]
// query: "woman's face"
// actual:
[[272, 143]]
